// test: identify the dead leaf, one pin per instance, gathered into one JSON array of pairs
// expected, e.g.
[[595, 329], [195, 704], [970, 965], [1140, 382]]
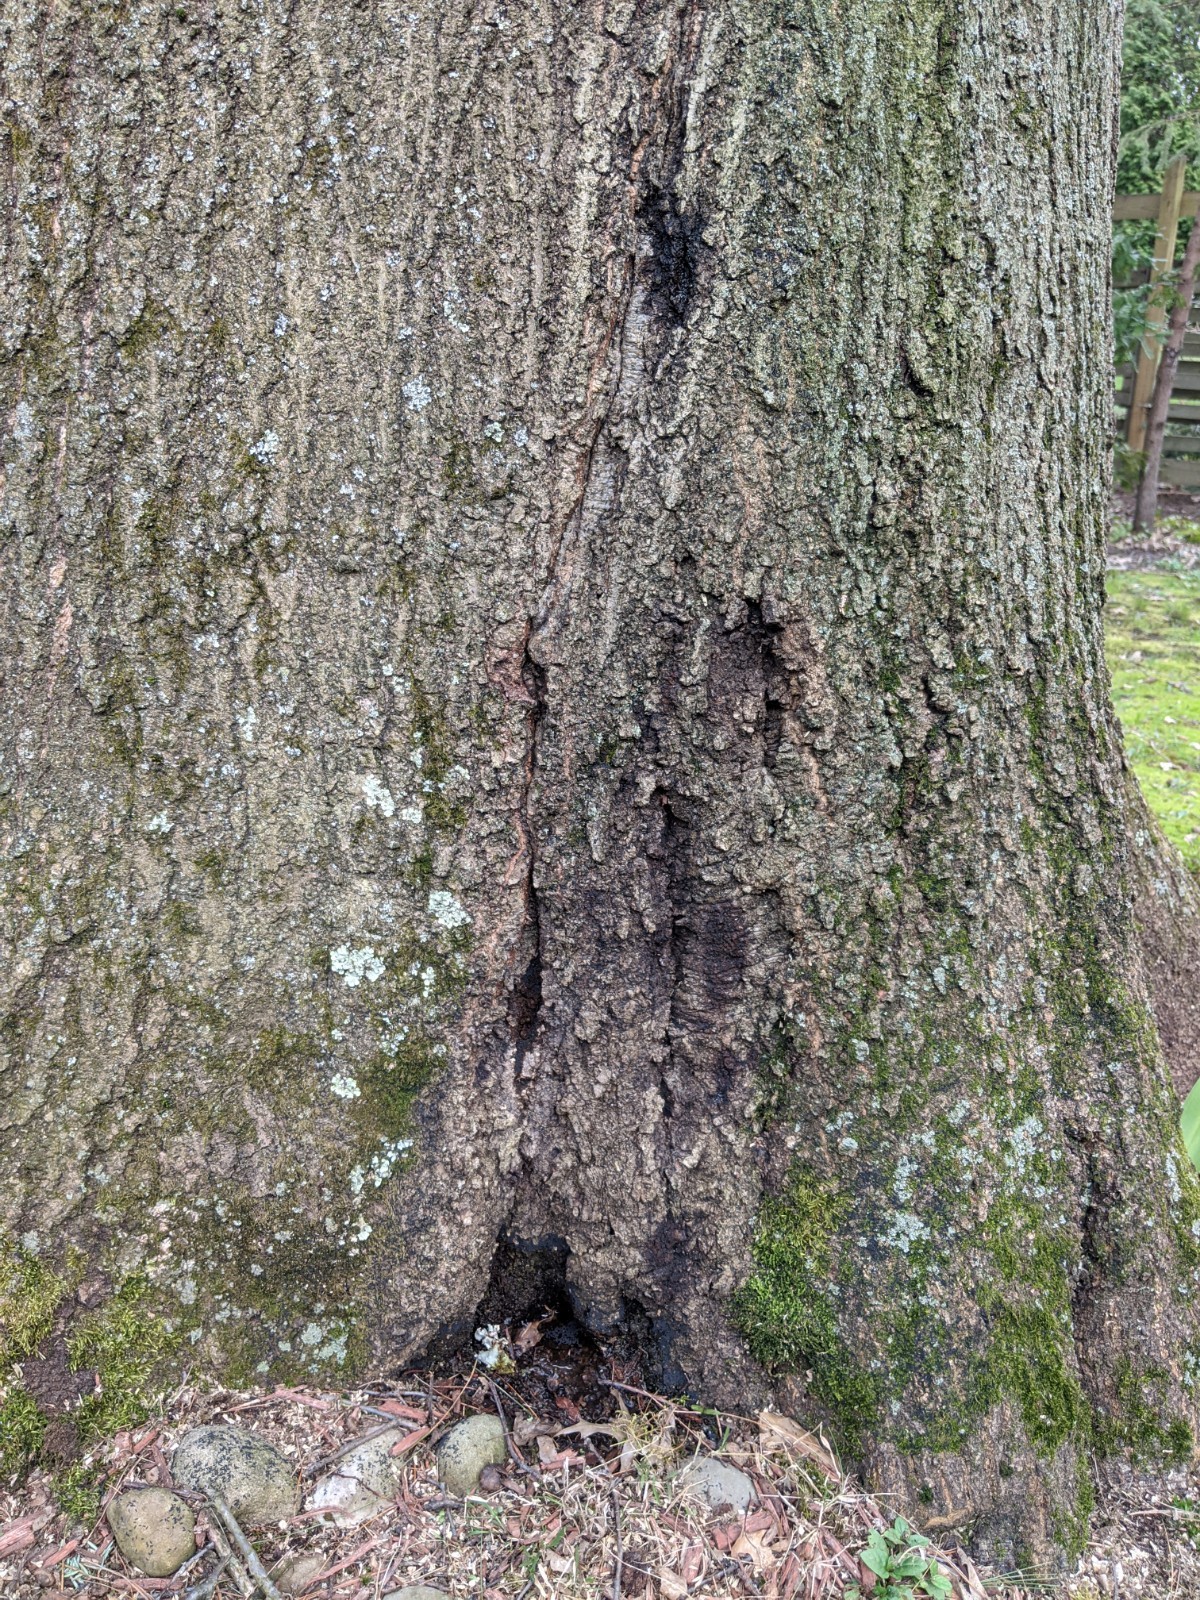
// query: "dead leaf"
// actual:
[[760, 1553], [954, 1518], [777, 1432], [585, 1430], [672, 1585], [978, 1592], [526, 1428], [530, 1335]]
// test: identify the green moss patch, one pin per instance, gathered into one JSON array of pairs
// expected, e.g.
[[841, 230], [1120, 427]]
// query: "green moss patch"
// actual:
[[30, 1293], [127, 1345], [785, 1311], [124, 1342]]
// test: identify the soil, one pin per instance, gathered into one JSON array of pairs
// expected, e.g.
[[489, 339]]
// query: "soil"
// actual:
[[590, 1494]]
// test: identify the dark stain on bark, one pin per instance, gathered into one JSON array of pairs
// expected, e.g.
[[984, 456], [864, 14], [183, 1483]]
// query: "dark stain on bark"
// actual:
[[525, 999], [673, 246]]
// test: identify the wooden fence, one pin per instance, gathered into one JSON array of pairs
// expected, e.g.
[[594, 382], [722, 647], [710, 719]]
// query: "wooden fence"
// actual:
[[1135, 383]]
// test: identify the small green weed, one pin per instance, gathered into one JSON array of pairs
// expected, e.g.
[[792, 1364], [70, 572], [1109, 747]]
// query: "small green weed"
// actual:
[[899, 1557], [1189, 1523]]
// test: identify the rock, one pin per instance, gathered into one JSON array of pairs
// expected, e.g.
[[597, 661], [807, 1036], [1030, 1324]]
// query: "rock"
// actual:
[[255, 1481], [364, 1479], [472, 1444], [718, 1484], [417, 1591], [296, 1573], [154, 1530]]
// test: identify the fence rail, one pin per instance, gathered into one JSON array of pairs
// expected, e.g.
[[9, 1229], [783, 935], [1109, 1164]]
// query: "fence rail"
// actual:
[[1135, 385]]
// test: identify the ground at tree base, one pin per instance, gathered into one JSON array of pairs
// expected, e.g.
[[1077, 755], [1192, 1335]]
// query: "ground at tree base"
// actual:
[[595, 1509]]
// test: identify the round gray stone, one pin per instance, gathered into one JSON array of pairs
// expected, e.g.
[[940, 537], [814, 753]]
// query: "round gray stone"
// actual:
[[472, 1444], [255, 1481], [718, 1484], [154, 1530], [296, 1573], [362, 1481]]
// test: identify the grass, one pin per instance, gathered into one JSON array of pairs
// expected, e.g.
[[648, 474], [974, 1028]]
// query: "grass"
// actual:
[[1153, 625], [1175, 527]]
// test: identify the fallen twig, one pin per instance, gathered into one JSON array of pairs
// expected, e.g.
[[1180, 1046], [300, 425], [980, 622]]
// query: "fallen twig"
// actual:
[[245, 1549], [616, 1583], [514, 1454], [207, 1588], [345, 1448], [237, 1571]]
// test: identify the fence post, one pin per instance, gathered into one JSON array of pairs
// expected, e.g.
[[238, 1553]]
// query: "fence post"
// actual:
[[1170, 203]]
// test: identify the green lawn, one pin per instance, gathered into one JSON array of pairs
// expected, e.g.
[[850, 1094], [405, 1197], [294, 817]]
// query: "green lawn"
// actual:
[[1153, 624]]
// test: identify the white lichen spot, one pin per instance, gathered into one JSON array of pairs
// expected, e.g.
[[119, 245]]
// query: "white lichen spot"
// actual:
[[22, 423], [904, 1232], [334, 1349], [381, 1165], [378, 795], [352, 966], [453, 307], [1022, 1143], [412, 814], [160, 824], [247, 723], [345, 1087], [492, 1353], [416, 393], [446, 909], [266, 448], [902, 1178]]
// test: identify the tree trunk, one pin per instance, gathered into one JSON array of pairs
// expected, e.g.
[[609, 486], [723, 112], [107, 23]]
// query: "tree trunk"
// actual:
[[555, 696]]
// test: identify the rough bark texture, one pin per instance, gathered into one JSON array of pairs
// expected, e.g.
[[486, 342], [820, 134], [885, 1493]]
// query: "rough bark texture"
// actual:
[[554, 692]]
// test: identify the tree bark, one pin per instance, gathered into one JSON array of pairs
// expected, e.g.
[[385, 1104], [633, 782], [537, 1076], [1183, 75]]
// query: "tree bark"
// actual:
[[555, 696]]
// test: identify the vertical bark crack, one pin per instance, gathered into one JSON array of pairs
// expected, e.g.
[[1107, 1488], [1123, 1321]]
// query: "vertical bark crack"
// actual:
[[525, 1002]]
